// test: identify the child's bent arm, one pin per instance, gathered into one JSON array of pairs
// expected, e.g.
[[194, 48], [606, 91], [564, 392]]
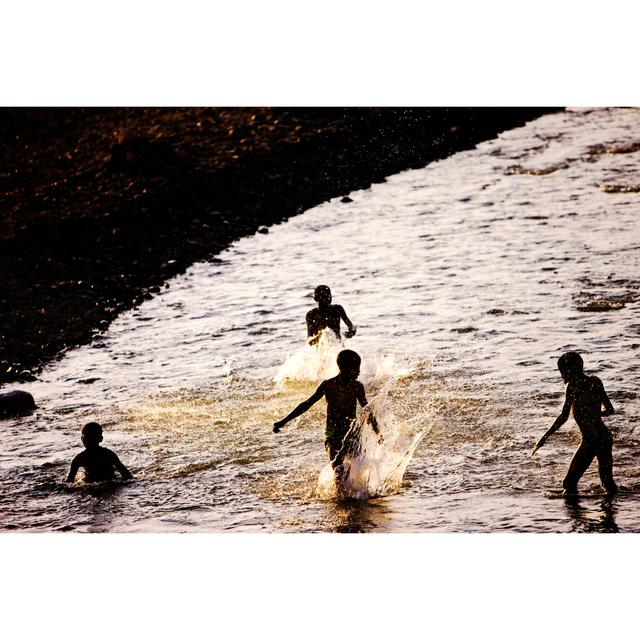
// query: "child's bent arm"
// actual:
[[74, 469], [124, 472], [608, 408], [606, 403], [300, 409], [351, 329]]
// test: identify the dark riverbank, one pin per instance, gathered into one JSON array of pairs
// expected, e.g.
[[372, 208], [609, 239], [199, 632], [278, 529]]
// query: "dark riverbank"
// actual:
[[101, 206]]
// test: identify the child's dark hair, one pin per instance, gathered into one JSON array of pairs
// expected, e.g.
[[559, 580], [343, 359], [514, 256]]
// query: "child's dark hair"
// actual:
[[92, 429], [347, 358], [322, 293], [570, 362]]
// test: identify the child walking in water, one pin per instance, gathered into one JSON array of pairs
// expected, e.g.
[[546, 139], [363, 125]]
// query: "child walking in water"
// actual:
[[585, 395], [341, 393], [326, 315], [99, 462]]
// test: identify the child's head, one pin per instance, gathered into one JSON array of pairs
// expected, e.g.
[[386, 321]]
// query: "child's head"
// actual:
[[570, 365], [322, 294], [91, 434], [349, 364]]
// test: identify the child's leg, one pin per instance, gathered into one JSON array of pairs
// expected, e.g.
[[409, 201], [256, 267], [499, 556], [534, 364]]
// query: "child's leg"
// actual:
[[582, 458], [605, 466]]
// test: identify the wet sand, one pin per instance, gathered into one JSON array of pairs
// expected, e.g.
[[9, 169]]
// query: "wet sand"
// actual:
[[101, 206]]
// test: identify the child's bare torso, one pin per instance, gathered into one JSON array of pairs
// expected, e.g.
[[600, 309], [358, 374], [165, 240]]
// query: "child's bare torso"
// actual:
[[586, 406], [99, 464], [342, 397], [324, 318]]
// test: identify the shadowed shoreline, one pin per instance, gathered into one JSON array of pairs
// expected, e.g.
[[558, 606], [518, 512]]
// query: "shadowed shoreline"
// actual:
[[101, 206]]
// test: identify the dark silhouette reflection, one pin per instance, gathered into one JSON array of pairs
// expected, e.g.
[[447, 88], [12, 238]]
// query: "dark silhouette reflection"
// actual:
[[326, 316], [359, 516], [600, 519]]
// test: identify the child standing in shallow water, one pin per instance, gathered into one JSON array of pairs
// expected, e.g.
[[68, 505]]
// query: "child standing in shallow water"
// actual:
[[585, 395], [99, 462], [342, 394]]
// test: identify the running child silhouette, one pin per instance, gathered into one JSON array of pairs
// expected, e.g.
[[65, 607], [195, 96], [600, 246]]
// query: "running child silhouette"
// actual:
[[99, 462], [326, 315], [585, 396], [341, 393]]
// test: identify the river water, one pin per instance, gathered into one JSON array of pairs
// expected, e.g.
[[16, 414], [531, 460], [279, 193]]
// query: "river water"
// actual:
[[466, 280]]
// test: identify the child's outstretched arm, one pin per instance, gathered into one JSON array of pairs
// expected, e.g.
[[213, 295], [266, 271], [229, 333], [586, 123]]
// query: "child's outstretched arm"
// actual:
[[560, 420], [351, 330], [300, 409]]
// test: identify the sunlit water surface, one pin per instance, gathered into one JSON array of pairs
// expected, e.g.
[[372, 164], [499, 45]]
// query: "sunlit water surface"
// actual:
[[466, 280]]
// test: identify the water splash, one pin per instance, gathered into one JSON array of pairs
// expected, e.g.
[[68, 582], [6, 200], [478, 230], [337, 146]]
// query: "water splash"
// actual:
[[318, 362], [312, 363], [374, 464]]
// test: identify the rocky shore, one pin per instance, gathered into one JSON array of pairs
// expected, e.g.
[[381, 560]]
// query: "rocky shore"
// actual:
[[100, 207]]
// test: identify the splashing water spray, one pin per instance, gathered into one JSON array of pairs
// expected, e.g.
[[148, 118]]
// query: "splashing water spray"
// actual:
[[373, 463], [312, 363]]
